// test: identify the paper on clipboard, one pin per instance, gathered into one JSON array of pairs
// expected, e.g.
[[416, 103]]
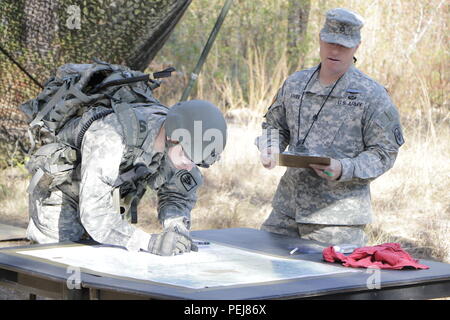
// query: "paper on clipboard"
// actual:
[[288, 159]]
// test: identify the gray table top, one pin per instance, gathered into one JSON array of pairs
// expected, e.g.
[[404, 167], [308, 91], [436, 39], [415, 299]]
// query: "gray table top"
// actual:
[[256, 241]]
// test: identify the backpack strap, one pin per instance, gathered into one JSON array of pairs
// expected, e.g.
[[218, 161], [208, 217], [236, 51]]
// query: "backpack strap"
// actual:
[[117, 82], [67, 88]]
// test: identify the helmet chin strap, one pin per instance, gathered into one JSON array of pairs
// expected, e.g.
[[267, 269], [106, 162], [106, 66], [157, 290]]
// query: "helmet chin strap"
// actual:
[[203, 164]]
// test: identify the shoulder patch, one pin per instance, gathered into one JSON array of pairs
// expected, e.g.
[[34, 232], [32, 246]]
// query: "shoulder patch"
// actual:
[[186, 181], [398, 136]]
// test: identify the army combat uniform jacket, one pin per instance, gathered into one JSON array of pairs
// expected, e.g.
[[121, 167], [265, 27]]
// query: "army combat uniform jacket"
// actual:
[[108, 166], [358, 125]]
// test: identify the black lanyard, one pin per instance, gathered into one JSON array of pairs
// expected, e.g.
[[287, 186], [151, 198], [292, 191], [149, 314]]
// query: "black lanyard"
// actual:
[[301, 142]]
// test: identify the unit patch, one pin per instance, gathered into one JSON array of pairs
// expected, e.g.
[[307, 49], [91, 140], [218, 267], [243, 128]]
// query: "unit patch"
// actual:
[[188, 181]]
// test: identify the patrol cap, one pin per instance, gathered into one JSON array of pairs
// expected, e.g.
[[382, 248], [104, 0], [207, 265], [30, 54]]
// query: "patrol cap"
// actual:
[[200, 128], [342, 26]]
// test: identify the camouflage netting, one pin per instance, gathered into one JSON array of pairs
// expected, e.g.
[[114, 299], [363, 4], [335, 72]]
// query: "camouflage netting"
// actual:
[[37, 36]]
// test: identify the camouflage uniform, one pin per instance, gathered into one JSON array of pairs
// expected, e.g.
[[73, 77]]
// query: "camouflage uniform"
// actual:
[[86, 204], [359, 126]]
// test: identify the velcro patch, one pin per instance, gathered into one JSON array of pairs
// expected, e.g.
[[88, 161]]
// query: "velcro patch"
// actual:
[[389, 115], [398, 136]]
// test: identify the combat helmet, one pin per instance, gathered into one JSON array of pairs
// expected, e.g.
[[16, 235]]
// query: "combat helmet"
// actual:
[[200, 127]]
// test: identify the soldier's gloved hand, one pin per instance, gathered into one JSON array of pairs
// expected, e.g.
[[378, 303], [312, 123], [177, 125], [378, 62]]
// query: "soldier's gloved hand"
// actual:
[[168, 243], [180, 225], [175, 239]]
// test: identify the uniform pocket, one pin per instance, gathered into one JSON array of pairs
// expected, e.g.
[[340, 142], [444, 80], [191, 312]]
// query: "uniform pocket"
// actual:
[[327, 125], [349, 139], [56, 161], [284, 199]]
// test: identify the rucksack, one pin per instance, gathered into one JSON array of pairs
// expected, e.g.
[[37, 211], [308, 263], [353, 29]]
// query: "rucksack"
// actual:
[[71, 101], [76, 88]]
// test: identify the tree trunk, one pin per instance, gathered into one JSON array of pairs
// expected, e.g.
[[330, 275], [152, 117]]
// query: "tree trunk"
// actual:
[[298, 14]]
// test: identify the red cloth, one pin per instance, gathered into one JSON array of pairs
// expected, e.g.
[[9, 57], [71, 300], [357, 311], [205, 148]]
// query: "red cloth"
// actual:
[[383, 256]]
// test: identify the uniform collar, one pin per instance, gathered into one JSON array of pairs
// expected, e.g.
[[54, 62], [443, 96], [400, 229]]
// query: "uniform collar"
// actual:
[[339, 90]]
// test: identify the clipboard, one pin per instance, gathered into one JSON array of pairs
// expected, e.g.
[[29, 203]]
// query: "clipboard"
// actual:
[[301, 161]]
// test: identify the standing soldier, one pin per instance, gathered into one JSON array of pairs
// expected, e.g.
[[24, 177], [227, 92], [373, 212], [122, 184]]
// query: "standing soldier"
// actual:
[[336, 110]]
